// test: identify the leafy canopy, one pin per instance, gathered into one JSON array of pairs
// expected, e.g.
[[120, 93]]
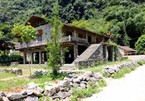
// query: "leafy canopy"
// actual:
[[140, 44], [25, 32], [53, 44]]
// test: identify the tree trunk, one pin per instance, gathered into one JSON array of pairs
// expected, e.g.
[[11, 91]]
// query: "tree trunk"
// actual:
[[30, 69]]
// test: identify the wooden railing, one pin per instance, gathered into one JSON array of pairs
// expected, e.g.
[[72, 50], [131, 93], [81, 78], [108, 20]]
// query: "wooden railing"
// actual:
[[72, 39], [31, 44], [64, 39]]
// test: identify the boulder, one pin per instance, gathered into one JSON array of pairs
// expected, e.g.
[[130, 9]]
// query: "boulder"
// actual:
[[27, 92], [49, 90], [75, 85], [64, 83], [32, 85], [63, 95], [82, 85], [15, 96], [93, 79], [5, 99], [40, 72], [31, 98], [98, 76], [77, 80], [88, 74], [64, 89]]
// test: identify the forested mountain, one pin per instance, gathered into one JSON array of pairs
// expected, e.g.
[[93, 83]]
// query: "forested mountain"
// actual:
[[125, 19]]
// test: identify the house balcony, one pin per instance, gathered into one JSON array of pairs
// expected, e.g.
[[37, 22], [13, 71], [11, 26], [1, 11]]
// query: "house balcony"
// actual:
[[43, 43], [31, 44], [73, 39]]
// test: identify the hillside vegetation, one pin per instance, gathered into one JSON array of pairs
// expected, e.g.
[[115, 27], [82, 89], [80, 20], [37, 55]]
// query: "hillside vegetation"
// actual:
[[125, 19]]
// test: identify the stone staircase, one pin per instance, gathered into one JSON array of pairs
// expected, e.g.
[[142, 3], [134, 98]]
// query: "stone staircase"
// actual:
[[87, 57], [87, 53], [68, 67]]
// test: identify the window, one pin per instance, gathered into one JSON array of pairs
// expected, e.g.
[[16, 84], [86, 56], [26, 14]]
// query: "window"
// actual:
[[68, 33], [89, 39], [80, 35], [39, 37]]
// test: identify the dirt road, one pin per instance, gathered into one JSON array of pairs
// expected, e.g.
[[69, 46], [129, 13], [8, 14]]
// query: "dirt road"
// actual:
[[129, 88]]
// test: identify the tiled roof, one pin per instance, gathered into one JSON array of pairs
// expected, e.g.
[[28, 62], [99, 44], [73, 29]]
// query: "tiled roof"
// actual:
[[126, 48]]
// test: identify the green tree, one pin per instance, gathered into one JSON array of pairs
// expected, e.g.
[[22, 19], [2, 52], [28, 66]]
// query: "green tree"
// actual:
[[140, 44], [26, 33], [5, 38], [54, 44]]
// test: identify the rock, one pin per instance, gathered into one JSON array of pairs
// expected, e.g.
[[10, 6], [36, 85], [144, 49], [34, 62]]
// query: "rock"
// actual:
[[37, 93], [40, 72], [82, 85], [14, 71], [5, 99], [88, 74], [75, 85], [81, 78], [64, 89], [32, 85], [64, 83], [66, 99], [27, 92], [31, 98], [15, 96], [93, 79], [77, 80], [2, 95], [98, 76], [49, 90], [84, 82], [1, 98], [70, 75], [63, 95]]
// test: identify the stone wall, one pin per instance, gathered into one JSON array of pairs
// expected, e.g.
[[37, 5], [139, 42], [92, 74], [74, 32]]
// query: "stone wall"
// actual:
[[112, 70], [60, 91], [12, 70]]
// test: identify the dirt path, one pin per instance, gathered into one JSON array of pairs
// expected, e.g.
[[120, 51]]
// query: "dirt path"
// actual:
[[129, 88]]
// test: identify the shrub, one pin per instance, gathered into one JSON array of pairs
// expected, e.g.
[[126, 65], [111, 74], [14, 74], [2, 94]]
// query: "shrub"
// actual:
[[91, 89], [5, 60], [16, 58]]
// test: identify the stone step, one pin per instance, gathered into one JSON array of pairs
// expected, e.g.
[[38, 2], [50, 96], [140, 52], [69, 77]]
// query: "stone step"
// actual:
[[68, 67], [87, 53]]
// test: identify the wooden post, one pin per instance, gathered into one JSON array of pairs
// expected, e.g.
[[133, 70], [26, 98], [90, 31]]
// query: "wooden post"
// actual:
[[31, 57], [24, 58], [75, 51], [40, 57]]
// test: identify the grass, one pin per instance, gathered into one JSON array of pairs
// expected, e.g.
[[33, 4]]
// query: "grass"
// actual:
[[11, 84], [7, 75], [19, 82], [11, 81], [87, 92], [124, 71], [100, 67]]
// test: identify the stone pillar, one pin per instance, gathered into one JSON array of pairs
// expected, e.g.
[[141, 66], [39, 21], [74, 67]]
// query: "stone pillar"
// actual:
[[106, 50], [87, 37], [40, 57], [75, 34], [24, 58], [62, 59], [31, 58], [75, 51], [113, 53]]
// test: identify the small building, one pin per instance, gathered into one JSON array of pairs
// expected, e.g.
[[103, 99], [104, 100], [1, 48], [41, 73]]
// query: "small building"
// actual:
[[125, 50], [77, 40]]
